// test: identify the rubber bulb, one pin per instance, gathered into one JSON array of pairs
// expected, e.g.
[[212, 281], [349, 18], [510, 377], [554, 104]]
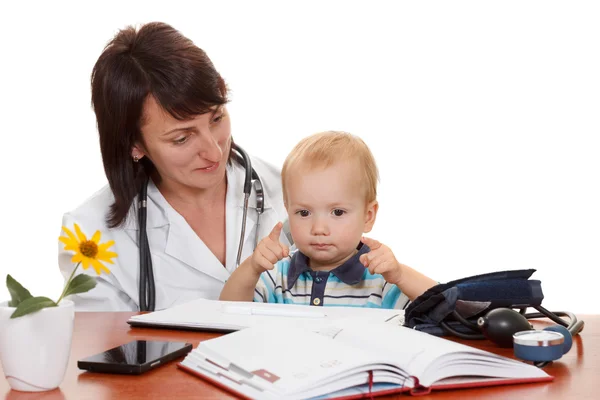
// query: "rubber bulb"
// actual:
[[500, 324]]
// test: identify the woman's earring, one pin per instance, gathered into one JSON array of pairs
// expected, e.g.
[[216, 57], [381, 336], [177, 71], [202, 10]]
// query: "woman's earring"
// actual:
[[136, 158]]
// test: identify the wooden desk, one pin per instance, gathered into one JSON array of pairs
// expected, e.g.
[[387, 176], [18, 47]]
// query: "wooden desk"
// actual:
[[576, 375]]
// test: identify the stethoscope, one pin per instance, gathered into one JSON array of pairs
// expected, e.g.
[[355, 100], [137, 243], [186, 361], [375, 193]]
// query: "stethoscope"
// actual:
[[147, 289]]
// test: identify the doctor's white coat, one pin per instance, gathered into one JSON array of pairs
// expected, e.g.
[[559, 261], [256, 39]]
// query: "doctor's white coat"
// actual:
[[184, 268]]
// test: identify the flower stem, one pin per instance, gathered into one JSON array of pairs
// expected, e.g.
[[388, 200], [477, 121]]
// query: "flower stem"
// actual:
[[68, 283]]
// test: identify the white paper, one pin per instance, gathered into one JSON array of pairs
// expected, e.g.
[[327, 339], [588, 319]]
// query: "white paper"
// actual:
[[217, 315]]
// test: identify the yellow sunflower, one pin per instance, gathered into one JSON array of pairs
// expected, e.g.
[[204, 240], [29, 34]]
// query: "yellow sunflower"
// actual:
[[88, 252]]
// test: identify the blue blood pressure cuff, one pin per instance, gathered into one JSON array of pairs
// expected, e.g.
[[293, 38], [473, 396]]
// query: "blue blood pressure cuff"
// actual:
[[471, 298]]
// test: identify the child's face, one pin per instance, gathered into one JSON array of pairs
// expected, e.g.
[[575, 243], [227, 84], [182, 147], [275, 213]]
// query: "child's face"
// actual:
[[328, 212]]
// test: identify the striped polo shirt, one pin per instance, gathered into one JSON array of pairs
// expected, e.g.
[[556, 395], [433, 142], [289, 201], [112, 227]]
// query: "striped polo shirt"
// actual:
[[291, 281]]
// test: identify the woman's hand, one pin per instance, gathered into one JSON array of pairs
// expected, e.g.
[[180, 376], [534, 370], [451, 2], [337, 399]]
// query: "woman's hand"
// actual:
[[269, 251]]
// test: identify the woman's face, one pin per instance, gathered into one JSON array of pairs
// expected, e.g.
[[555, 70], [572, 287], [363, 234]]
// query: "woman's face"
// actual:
[[191, 153]]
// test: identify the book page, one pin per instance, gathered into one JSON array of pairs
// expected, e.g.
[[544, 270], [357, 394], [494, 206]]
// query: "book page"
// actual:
[[429, 357], [356, 383], [410, 350], [294, 359]]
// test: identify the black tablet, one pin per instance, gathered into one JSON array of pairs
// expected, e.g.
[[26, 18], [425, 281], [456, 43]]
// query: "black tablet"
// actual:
[[135, 357]]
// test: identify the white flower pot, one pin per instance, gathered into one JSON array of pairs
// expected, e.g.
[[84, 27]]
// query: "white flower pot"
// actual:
[[35, 348]]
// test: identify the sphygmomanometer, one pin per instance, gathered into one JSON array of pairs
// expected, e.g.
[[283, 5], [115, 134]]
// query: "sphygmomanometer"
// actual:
[[485, 306]]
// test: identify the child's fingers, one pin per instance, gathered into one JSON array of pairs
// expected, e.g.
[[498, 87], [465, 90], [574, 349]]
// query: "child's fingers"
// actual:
[[372, 243], [383, 267], [373, 254], [264, 262], [263, 258], [376, 263], [275, 248], [373, 258], [276, 232], [270, 254], [367, 258], [286, 250], [364, 260], [376, 259], [372, 269]]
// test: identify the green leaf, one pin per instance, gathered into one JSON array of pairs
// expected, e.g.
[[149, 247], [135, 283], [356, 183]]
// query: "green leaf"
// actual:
[[32, 304], [17, 292], [80, 284]]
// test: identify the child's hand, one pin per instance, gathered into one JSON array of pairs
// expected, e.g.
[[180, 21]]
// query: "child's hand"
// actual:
[[381, 260], [269, 251]]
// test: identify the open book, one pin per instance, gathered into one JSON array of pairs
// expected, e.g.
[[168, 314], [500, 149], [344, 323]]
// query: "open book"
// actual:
[[347, 359], [227, 316]]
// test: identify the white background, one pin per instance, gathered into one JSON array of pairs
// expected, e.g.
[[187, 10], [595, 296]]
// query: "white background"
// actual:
[[483, 117]]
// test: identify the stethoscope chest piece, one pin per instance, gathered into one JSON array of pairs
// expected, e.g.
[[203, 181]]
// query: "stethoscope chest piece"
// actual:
[[541, 345]]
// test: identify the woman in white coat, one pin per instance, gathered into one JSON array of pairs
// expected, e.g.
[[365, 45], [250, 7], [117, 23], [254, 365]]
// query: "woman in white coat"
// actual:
[[161, 115]]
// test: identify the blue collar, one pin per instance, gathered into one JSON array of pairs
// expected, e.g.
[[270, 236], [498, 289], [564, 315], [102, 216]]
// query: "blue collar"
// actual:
[[350, 272]]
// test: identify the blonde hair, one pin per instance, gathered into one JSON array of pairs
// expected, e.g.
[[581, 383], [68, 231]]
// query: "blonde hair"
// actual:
[[323, 149]]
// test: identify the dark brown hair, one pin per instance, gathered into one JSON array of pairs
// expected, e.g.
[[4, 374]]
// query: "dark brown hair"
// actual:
[[155, 60]]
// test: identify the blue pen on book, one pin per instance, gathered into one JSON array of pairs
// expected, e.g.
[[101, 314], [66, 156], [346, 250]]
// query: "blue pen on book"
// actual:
[[272, 312]]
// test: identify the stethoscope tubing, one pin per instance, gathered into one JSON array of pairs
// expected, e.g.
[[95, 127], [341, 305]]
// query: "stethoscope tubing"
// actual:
[[574, 326], [147, 289]]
